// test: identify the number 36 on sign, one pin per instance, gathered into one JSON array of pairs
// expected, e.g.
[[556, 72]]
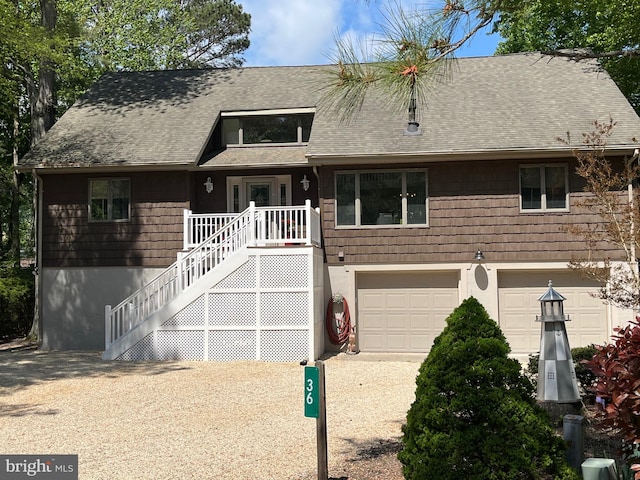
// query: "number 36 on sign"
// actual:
[[311, 392]]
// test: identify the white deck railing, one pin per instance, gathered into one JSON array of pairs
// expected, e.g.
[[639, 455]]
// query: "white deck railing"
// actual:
[[200, 226], [254, 227]]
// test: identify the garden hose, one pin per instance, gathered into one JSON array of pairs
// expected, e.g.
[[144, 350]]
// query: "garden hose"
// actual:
[[338, 330]]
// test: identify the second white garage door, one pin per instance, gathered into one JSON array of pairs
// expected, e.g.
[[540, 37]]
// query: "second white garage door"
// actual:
[[518, 297], [403, 312]]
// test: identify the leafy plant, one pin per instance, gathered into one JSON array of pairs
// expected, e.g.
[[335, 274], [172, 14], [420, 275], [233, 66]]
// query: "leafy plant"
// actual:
[[16, 301], [586, 378], [617, 368], [474, 415]]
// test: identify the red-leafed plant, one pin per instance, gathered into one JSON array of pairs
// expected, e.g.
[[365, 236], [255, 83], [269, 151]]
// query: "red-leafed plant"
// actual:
[[617, 368]]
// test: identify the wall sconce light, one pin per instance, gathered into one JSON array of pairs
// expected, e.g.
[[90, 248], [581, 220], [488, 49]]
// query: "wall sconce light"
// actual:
[[478, 259], [305, 183], [208, 185], [341, 255]]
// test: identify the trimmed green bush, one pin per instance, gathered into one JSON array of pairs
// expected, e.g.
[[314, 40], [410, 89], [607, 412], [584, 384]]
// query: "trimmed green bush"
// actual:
[[474, 416], [16, 301]]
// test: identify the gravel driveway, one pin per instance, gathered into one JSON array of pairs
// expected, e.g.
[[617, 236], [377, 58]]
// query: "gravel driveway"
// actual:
[[196, 420]]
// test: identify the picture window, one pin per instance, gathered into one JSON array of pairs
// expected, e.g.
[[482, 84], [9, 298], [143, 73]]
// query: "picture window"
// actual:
[[381, 198]]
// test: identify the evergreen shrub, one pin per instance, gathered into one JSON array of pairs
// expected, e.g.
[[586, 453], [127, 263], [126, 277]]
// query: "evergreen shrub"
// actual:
[[16, 301], [474, 416]]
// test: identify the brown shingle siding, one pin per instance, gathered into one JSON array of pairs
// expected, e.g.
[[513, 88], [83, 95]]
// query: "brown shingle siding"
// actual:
[[460, 221], [151, 237]]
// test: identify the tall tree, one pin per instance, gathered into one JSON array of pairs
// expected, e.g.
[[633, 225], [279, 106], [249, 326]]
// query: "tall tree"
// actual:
[[162, 34], [52, 50], [24, 41], [604, 29]]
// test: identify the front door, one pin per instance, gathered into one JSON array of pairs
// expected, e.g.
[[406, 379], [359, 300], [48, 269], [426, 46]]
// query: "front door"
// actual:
[[261, 192], [265, 191]]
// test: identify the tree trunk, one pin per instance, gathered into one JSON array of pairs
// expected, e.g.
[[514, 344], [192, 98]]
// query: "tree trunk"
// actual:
[[14, 210], [43, 109], [42, 119]]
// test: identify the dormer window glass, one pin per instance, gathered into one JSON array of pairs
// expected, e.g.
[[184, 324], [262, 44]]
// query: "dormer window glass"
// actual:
[[278, 129]]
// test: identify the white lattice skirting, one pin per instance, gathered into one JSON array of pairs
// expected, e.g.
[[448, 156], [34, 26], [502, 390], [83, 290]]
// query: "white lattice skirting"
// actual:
[[264, 310]]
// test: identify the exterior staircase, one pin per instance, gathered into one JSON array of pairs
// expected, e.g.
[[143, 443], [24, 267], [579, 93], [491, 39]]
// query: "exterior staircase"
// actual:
[[248, 288]]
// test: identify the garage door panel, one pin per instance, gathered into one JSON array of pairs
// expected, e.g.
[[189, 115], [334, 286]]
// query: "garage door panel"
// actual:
[[411, 309], [440, 318], [419, 300], [375, 321], [519, 342], [583, 300], [590, 321], [373, 301], [418, 321], [396, 300], [396, 321], [515, 322], [421, 342], [374, 340], [444, 300], [396, 342]]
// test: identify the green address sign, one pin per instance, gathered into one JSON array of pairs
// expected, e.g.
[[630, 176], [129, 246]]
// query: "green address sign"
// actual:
[[311, 392]]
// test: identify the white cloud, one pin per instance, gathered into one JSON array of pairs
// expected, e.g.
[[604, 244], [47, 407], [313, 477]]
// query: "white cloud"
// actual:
[[291, 32], [302, 32]]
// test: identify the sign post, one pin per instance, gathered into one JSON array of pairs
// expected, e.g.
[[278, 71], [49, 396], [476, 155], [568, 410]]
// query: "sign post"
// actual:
[[315, 407]]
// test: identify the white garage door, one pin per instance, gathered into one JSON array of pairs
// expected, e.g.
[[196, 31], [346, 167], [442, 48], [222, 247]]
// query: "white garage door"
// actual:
[[403, 312], [518, 297]]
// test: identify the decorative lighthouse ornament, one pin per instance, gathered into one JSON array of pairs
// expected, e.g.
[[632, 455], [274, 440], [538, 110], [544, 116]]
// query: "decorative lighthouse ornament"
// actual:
[[556, 373]]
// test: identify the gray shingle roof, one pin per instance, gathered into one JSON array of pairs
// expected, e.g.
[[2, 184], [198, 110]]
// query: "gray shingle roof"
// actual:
[[513, 103]]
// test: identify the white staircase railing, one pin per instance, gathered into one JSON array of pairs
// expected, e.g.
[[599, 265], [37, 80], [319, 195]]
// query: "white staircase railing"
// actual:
[[253, 227]]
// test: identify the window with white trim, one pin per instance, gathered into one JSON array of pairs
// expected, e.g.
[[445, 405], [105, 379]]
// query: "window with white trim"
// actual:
[[109, 200], [381, 197], [544, 187]]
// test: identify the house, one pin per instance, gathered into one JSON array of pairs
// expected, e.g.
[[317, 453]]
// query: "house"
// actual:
[[214, 214]]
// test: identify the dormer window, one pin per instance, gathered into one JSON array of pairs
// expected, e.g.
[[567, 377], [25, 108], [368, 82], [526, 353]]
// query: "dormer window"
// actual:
[[267, 127]]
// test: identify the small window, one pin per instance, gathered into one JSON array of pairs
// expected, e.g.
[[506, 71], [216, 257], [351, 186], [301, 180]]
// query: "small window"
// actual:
[[544, 187], [109, 200], [381, 198]]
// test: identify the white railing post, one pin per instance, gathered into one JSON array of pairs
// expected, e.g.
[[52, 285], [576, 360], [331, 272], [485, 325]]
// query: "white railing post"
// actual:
[[179, 273], [107, 326], [308, 220], [186, 236], [317, 227], [252, 224]]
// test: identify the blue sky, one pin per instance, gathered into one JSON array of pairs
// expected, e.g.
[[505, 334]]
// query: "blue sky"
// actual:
[[302, 32]]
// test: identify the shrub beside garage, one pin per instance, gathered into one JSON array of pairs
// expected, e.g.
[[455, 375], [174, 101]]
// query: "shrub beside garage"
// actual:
[[17, 298]]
